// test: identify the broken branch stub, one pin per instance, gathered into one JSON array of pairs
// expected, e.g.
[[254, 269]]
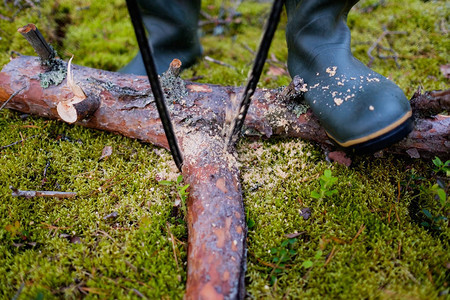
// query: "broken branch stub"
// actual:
[[38, 42], [72, 110], [174, 68]]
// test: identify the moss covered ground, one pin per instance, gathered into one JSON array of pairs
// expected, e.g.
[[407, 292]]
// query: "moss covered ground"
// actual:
[[374, 230]]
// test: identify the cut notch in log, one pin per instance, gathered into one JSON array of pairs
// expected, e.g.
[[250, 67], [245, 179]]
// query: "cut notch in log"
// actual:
[[72, 112], [80, 106]]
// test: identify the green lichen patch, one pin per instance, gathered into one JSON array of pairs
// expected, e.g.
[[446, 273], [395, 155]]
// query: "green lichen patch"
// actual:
[[174, 90], [55, 74]]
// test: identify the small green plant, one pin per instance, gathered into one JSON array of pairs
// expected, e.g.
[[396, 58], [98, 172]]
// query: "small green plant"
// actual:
[[145, 223], [326, 183], [435, 221], [181, 191], [441, 166], [250, 223], [309, 263], [281, 255], [17, 232], [13, 229]]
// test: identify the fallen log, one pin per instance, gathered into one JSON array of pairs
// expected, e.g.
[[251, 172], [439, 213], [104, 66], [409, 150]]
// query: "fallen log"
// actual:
[[127, 107], [216, 218]]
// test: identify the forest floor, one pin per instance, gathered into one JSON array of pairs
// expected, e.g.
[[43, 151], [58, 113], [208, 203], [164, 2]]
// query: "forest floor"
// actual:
[[384, 232]]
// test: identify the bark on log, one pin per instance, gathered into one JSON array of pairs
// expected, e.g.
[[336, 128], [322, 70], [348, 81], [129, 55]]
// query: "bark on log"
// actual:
[[216, 219]]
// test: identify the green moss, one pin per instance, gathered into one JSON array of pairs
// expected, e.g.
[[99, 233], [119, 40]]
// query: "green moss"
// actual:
[[421, 48], [381, 262], [109, 248], [120, 257]]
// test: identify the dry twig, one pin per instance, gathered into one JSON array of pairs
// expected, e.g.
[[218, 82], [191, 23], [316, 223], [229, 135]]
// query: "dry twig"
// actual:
[[221, 63], [10, 97], [17, 142], [172, 239], [377, 45], [31, 194]]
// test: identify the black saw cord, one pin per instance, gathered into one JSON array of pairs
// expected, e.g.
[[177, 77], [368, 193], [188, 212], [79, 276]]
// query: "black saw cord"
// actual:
[[252, 81], [152, 74]]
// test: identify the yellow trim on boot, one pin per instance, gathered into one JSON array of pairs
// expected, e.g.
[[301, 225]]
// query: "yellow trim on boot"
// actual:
[[375, 134]]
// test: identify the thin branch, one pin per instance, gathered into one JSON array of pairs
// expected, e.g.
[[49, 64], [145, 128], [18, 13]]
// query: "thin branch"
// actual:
[[361, 229], [17, 142], [32, 194], [12, 96], [330, 256], [210, 59], [272, 61], [377, 45], [173, 245]]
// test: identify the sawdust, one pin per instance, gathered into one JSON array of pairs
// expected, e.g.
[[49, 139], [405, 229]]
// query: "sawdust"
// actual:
[[372, 79], [331, 71], [338, 101]]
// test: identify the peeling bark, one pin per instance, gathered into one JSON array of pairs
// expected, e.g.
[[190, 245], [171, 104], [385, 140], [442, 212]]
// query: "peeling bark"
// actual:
[[216, 217]]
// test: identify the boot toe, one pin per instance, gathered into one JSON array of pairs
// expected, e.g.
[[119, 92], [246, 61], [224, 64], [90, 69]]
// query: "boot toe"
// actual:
[[368, 118]]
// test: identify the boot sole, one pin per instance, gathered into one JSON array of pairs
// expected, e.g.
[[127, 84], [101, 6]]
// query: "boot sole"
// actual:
[[374, 142]]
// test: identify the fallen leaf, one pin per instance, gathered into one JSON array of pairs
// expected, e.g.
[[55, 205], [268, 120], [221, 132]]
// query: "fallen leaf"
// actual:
[[114, 214], [276, 71], [413, 153], [294, 235], [305, 213], [106, 152], [75, 240], [340, 157], [445, 69]]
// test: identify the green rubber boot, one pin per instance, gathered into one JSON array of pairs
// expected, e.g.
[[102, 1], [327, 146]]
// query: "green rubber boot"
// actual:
[[359, 108], [172, 27]]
